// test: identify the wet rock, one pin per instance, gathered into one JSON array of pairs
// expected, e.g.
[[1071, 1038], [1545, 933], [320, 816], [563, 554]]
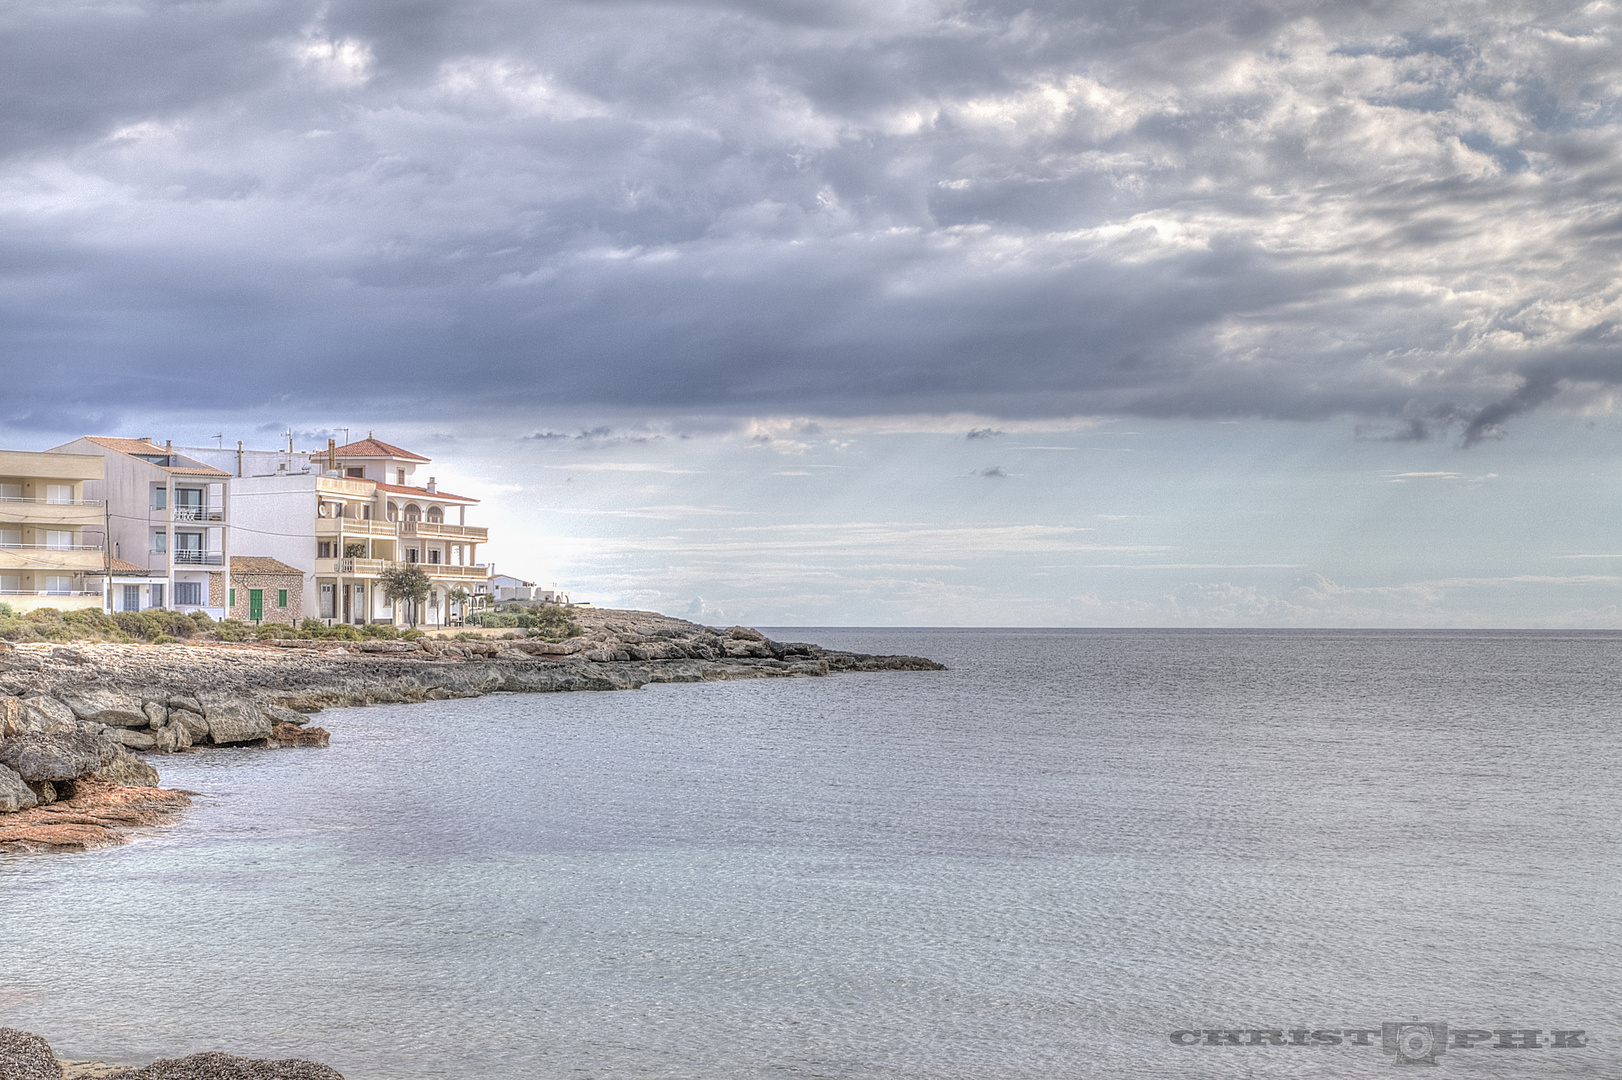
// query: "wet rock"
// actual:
[[137, 740], [110, 707], [26, 1057], [15, 794], [289, 735], [56, 757], [228, 1067], [126, 770], [234, 719]]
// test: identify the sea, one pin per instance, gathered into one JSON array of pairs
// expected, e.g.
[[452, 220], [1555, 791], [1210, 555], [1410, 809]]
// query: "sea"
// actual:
[[1074, 853]]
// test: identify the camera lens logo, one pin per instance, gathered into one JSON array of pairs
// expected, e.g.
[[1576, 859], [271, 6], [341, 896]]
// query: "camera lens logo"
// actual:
[[1414, 1043]]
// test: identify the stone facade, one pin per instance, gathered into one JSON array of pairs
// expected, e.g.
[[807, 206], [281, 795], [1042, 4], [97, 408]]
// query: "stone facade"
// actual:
[[280, 585]]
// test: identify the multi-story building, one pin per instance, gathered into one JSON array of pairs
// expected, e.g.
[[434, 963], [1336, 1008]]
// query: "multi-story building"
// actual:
[[52, 528], [166, 513], [343, 516]]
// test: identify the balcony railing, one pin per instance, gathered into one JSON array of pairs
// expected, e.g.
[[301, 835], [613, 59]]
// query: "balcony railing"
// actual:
[[439, 530], [187, 557], [51, 547], [199, 513], [52, 502], [50, 592], [375, 567]]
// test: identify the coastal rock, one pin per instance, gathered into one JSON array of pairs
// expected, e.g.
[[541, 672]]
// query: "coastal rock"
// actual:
[[137, 740], [234, 719], [171, 739], [156, 714], [18, 661], [280, 714], [44, 791], [14, 793], [188, 702], [48, 716], [124, 769], [743, 633], [108, 707], [227, 1067], [289, 735], [56, 757], [196, 727], [11, 716], [67, 654], [26, 1057]]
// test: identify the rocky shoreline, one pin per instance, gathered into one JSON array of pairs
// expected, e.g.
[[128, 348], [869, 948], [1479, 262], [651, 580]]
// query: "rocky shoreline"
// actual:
[[77, 722]]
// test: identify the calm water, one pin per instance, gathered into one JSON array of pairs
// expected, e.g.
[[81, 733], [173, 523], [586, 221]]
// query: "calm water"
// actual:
[[1037, 864]]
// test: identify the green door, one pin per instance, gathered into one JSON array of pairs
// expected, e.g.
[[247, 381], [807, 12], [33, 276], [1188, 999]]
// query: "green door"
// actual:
[[256, 604]]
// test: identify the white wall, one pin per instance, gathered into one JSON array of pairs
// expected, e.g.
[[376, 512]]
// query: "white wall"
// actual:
[[274, 516]]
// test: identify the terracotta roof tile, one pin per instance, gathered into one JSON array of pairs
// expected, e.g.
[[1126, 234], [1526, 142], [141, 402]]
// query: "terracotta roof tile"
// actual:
[[424, 493], [260, 564], [375, 448], [134, 447], [119, 566]]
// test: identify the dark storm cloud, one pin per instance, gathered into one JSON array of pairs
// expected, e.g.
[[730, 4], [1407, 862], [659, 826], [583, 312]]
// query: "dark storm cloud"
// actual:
[[1402, 212]]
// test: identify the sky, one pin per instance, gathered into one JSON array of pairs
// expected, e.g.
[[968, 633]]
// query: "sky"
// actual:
[[884, 313]]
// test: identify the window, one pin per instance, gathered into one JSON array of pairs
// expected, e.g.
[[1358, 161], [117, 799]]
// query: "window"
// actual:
[[59, 493], [231, 599], [157, 594], [355, 473], [11, 538], [399, 477], [433, 556], [58, 539], [281, 597], [323, 549], [9, 491], [132, 598], [411, 555], [11, 583], [394, 512], [436, 515], [189, 504], [58, 585], [160, 544], [413, 512], [337, 510], [160, 501], [189, 592]]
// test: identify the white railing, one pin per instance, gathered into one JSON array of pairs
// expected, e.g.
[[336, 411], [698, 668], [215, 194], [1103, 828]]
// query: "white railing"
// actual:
[[53, 502], [187, 557], [48, 592], [199, 513], [51, 547]]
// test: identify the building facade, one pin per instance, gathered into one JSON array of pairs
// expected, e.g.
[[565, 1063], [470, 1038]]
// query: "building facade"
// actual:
[[52, 531], [265, 590], [166, 513]]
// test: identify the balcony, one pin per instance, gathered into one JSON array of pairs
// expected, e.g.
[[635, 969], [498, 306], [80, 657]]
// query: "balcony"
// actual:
[[347, 526], [188, 557], [434, 530], [46, 512], [81, 558], [199, 513], [375, 568]]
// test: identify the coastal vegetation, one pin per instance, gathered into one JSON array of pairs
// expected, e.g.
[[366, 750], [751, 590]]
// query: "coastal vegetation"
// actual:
[[159, 627]]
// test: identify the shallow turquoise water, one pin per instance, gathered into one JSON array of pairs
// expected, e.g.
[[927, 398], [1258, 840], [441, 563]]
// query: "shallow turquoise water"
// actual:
[[1037, 864]]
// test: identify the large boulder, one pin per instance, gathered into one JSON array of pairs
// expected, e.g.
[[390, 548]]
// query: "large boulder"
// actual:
[[188, 702], [195, 726], [26, 1057], [137, 740], [44, 715], [127, 770], [110, 707], [171, 739], [56, 757], [156, 714], [14, 795], [281, 714], [234, 719]]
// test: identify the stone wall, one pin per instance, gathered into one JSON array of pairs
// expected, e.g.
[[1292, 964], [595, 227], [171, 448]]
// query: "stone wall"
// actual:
[[292, 614]]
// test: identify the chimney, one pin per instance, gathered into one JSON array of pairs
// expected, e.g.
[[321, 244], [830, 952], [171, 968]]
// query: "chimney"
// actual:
[[430, 485], [239, 457], [168, 446], [332, 454]]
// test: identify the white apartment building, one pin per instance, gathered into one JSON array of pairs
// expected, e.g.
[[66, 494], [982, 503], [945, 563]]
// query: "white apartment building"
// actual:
[[343, 516], [166, 514], [51, 531]]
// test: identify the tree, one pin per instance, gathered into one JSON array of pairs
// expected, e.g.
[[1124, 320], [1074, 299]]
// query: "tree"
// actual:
[[407, 582], [459, 596]]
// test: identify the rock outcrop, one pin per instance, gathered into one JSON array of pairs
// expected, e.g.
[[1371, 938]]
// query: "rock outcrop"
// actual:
[[74, 719], [28, 1057]]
